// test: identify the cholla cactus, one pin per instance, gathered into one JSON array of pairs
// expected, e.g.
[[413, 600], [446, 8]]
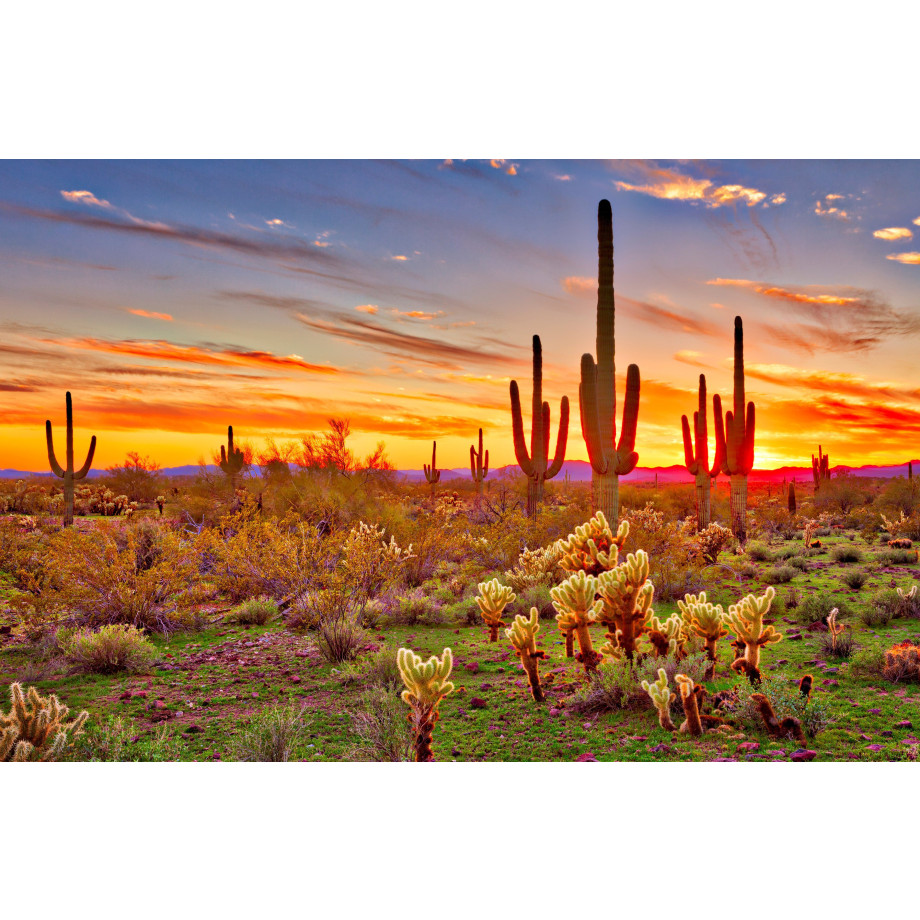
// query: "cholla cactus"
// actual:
[[662, 697], [746, 619], [909, 596], [578, 609], [787, 728], [834, 628], [161, 501], [712, 541], [627, 595], [808, 532], [593, 548], [667, 638], [689, 696], [492, 600], [36, 727], [535, 567], [426, 685], [708, 621], [902, 662], [523, 636]]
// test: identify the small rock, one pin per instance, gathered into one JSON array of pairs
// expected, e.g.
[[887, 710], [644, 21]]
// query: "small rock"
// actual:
[[587, 757], [875, 712], [748, 747], [473, 667], [554, 711], [478, 703], [295, 679], [873, 747], [886, 734], [865, 737], [793, 638], [905, 724], [194, 730], [802, 755]]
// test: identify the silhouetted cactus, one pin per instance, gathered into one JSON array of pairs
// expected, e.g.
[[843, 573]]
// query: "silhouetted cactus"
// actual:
[[232, 460], [597, 393], [735, 440], [696, 457], [534, 464], [36, 727], [820, 468], [523, 636], [426, 685], [432, 473], [792, 497], [67, 473], [479, 467]]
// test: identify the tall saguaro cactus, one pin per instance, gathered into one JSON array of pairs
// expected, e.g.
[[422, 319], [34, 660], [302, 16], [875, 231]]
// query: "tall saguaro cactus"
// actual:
[[534, 464], [68, 474], [696, 457], [736, 440], [479, 467], [597, 396], [232, 459], [432, 473], [820, 468]]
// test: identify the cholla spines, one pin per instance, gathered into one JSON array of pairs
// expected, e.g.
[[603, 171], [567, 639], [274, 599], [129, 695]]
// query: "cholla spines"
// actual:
[[68, 474], [627, 595], [577, 609], [593, 548], [426, 685], [232, 460], [746, 619], [492, 600], [696, 457], [597, 393], [662, 697], [479, 467], [707, 620], [666, 637], [36, 727], [523, 636], [735, 440], [535, 567], [689, 696], [432, 473], [535, 464]]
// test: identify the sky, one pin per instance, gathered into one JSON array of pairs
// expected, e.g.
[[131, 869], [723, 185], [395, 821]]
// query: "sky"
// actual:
[[174, 298]]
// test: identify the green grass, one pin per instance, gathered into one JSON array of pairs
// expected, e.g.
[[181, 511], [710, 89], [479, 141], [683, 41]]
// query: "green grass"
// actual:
[[211, 682]]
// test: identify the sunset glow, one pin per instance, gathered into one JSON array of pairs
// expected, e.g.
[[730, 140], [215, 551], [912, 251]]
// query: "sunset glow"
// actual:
[[175, 298]]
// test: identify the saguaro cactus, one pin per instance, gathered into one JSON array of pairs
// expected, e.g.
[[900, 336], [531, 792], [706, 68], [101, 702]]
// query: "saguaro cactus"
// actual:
[[68, 474], [523, 636], [232, 460], [736, 439], [426, 685], [696, 457], [479, 468], [820, 468], [792, 497], [597, 393], [534, 464]]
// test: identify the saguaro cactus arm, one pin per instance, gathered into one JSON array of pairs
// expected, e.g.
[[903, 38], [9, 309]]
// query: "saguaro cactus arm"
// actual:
[[432, 473], [232, 460], [52, 459], [479, 468]]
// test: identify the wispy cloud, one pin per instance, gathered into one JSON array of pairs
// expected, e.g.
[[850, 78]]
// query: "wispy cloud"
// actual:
[[149, 314], [893, 233], [906, 258], [831, 382], [826, 207], [690, 357]]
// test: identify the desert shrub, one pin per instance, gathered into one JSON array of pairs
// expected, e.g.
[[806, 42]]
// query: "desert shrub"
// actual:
[[107, 650], [273, 735], [411, 608], [758, 552], [748, 570], [902, 662], [374, 670], [382, 728], [339, 637], [842, 648], [536, 596], [256, 611], [798, 562], [372, 616], [896, 557], [693, 665], [816, 607], [855, 580], [780, 574], [789, 553], [846, 554], [787, 701], [867, 662], [613, 686], [465, 611], [792, 599], [875, 616], [897, 605], [118, 740]]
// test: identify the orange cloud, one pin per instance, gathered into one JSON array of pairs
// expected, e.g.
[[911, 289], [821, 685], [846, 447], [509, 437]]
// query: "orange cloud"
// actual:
[[575, 284], [400, 258], [416, 314], [690, 357], [830, 382], [822, 209], [370, 308], [784, 293], [893, 233], [905, 258], [670, 184], [150, 315], [85, 197]]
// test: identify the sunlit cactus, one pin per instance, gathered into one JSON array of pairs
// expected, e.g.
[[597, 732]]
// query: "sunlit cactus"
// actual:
[[820, 468], [426, 685], [746, 619], [696, 457], [662, 697], [666, 637], [627, 595], [479, 464], [708, 621], [523, 636], [577, 609], [432, 473], [36, 727], [492, 600], [735, 439], [609, 458], [689, 696], [834, 628], [232, 459], [787, 728], [68, 474], [535, 463], [593, 548]]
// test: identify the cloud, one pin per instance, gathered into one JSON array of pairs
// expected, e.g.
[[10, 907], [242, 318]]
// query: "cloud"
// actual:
[[831, 382], [370, 308], [893, 233], [794, 296], [416, 314], [85, 197], [151, 315], [568, 178], [575, 284], [670, 184], [400, 258], [690, 357], [824, 209], [906, 258]]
